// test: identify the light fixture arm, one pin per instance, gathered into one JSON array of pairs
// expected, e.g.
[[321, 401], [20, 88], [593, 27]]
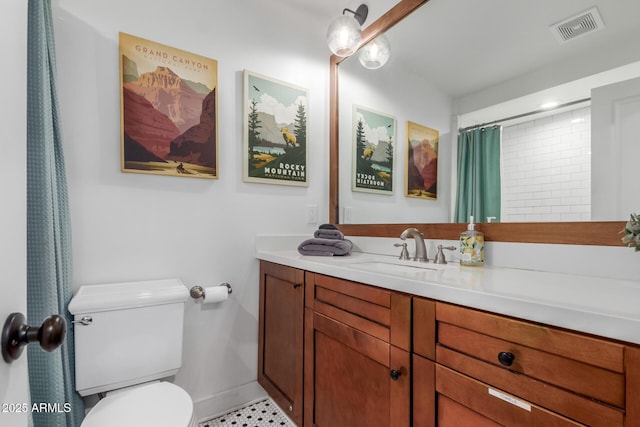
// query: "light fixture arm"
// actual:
[[360, 13]]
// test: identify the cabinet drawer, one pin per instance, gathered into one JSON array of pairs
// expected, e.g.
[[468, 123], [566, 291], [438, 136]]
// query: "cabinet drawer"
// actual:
[[585, 365], [556, 399], [488, 404], [384, 314]]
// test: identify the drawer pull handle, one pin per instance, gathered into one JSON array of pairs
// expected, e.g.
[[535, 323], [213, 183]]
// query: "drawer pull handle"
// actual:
[[506, 358], [296, 285], [395, 374]]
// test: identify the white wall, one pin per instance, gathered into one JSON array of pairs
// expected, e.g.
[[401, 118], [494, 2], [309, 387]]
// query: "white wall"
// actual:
[[546, 169], [615, 117], [136, 227], [572, 68]]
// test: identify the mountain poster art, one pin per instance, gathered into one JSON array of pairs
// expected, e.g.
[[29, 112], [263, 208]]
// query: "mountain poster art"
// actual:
[[373, 148], [169, 118], [422, 162], [275, 131]]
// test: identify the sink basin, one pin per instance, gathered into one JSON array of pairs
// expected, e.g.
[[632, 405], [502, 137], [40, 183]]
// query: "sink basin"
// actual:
[[408, 267]]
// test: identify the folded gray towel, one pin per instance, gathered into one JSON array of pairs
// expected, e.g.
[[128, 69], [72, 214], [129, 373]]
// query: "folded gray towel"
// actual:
[[325, 247], [328, 227], [328, 234]]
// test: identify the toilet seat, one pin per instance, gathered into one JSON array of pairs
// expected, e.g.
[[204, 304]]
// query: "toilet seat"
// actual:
[[158, 404]]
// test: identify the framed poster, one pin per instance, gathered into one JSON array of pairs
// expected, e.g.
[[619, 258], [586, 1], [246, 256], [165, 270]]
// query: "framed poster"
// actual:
[[168, 110], [421, 176], [275, 131], [373, 151]]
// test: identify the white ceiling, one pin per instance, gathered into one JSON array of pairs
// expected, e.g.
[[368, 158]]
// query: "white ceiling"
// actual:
[[467, 46]]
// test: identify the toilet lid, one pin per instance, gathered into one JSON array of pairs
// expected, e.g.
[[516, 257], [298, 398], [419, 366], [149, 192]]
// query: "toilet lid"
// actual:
[[158, 404]]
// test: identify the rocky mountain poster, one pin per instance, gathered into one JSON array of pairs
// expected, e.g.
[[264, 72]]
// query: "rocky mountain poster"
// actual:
[[275, 131], [169, 122], [373, 151], [422, 162]]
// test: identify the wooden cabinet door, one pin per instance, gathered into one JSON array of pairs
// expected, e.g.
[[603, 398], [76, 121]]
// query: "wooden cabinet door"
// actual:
[[352, 378], [280, 337]]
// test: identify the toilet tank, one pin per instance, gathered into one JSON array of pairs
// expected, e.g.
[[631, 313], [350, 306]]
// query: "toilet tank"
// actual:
[[131, 333]]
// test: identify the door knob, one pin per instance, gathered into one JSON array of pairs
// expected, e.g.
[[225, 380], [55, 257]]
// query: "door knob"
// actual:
[[16, 334]]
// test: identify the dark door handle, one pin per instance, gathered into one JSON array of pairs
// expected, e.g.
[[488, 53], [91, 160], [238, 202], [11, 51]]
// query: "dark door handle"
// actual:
[[506, 358], [16, 334]]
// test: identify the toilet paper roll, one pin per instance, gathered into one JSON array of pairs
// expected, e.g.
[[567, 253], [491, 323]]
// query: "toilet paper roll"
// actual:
[[214, 294]]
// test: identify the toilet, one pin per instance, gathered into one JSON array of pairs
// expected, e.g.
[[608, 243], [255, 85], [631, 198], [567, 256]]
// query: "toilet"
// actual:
[[128, 337]]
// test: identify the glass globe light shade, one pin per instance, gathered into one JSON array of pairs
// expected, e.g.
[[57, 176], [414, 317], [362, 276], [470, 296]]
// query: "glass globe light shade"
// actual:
[[344, 36], [375, 53]]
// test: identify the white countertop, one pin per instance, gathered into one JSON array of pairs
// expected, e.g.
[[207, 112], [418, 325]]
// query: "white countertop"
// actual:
[[600, 306]]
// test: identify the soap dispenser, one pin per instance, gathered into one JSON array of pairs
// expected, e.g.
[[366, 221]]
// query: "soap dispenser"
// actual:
[[471, 246]]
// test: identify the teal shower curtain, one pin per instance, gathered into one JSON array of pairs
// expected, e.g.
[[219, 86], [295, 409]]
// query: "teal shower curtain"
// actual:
[[49, 288], [478, 175]]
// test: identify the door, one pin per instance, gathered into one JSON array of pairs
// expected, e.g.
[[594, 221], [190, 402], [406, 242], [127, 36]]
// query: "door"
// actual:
[[280, 337], [352, 378], [14, 398]]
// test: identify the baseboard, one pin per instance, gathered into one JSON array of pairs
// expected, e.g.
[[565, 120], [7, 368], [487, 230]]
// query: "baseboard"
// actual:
[[229, 400]]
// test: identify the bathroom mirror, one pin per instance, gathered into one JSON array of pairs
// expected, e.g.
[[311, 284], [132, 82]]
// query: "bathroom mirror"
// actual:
[[607, 230]]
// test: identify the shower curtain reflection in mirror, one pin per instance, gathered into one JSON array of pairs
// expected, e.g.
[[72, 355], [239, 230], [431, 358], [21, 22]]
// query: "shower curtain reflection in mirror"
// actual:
[[479, 187]]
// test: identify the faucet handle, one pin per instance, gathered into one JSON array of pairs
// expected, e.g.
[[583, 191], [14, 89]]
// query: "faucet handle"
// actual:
[[404, 254], [440, 258]]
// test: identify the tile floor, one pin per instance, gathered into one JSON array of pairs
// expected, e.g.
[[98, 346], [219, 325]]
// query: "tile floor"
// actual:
[[259, 414]]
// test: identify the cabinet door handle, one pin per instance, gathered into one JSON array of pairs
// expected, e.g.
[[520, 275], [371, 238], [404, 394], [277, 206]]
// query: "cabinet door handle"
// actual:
[[296, 285], [395, 374], [506, 358]]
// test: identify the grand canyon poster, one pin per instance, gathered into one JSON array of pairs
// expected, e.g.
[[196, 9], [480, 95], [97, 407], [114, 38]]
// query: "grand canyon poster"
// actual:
[[421, 177], [168, 114], [275, 131]]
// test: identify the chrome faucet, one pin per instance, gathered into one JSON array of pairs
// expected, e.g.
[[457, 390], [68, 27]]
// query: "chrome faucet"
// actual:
[[421, 249]]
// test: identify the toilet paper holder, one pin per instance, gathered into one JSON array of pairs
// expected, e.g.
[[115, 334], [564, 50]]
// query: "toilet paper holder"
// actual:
[[198, 291]]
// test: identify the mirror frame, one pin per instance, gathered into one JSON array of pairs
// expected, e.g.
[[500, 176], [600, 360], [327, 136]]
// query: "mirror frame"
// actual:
[[604, 233]]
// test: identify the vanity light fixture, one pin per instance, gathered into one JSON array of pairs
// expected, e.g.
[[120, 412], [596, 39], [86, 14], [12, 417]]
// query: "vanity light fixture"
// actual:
[[375, 53], [344, 35]]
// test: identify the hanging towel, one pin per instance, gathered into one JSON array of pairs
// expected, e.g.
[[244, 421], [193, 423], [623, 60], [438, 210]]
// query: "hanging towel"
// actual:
[[325, 247]]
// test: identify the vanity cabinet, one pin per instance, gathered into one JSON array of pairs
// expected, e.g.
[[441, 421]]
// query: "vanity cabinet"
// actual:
[[357, 361], [495, 370], [334, 353], [280, 336]]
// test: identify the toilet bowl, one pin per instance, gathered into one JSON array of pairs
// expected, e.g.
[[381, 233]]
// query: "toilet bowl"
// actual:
[[128, 338], [158, 404]]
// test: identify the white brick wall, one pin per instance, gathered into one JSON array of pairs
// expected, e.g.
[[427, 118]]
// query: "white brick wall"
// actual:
[[547, 169]]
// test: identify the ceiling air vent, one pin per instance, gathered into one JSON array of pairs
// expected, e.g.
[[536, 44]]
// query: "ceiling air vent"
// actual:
[[577, 26]]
